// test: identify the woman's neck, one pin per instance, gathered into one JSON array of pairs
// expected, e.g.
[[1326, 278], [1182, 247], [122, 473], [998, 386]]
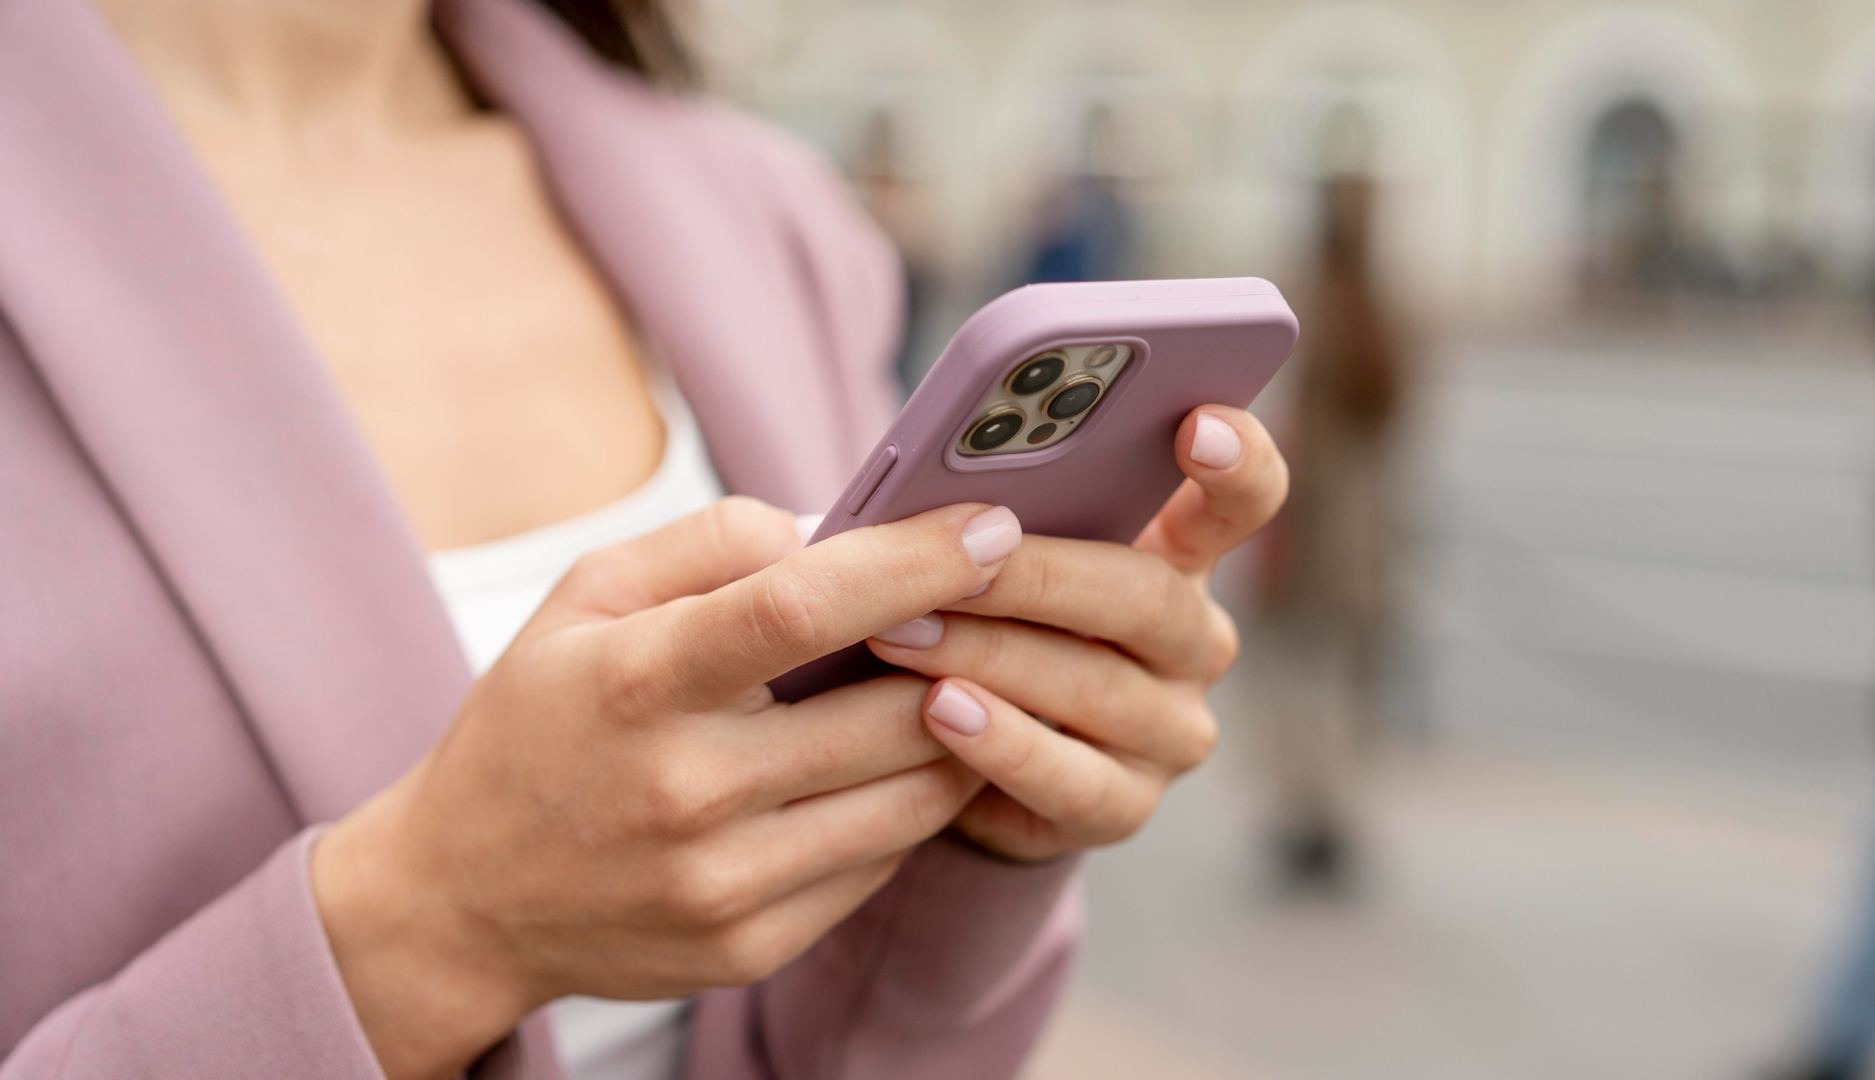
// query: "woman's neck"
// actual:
[[324, 75]]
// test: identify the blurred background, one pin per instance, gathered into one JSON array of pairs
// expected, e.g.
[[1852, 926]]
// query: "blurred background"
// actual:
[[1550, 752]]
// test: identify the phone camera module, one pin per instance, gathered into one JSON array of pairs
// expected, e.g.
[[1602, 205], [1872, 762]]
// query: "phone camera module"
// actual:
[[1073, 399], [1038, 374], [993, 431]]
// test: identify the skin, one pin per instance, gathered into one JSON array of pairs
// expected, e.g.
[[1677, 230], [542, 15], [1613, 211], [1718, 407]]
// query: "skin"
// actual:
[[620, 808], [498, 393]]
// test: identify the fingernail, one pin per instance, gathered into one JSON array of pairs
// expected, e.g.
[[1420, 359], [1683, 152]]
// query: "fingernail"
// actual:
[[805, 524], [920, 633], [992, 535], [1214, 444], [958, 711]]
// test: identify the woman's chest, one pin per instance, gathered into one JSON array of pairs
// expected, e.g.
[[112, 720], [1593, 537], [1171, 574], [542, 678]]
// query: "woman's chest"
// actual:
[[487, 365]]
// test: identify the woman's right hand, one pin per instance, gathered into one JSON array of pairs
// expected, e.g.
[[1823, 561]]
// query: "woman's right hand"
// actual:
[[622, 809]]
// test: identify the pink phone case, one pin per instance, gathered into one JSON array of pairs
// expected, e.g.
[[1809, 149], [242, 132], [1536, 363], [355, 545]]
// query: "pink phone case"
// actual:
[[1195, 342]]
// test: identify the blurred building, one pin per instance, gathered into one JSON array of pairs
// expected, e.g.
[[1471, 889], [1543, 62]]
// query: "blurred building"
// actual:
[[1540, 154], [1632, 247]]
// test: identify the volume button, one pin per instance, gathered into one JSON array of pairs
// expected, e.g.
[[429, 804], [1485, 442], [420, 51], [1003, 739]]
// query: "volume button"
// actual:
[[869, 482]]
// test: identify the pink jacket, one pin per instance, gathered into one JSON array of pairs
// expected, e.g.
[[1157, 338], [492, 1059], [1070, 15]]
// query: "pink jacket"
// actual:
[[216, 630]]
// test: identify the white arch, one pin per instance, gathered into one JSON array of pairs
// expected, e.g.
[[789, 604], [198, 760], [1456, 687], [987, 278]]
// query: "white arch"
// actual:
[[1398, 71], [880, 58], [1841, 218], [1549, 107], [734, 40], [1115, 52]]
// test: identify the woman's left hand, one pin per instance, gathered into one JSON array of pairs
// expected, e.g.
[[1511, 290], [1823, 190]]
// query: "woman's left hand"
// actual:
[[1115, 646]]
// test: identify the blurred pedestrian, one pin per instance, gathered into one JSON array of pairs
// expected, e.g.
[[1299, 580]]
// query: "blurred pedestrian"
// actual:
[[896, 199], [1326, 602], [1842, 1046], [1084, 228]]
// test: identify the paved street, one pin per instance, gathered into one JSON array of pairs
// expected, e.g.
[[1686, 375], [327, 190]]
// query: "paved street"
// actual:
[[1624, 802]]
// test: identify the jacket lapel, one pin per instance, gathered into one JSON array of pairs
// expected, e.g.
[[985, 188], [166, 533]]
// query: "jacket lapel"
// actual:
[[203, 409], [204, 412], [711, 276]]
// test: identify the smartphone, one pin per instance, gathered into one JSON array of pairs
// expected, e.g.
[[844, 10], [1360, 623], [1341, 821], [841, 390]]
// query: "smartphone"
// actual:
[[1061, 402]]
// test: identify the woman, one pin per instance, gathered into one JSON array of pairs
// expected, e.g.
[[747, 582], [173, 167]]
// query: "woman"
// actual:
[[294, 292], [1328, 606]]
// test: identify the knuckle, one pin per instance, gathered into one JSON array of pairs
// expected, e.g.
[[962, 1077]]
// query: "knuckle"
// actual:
[[1109, 680], [1259, 446], [1201, 735], [1024, 583], [741, 518], [1090, 804], [1120, 814], [1130, 820], [937, 802], [627, 682], [974, 646], [1158, 606], [1225, 643], [703, 891], [1268, 474], [681, 799], [589, 572], [747, 952], [1041, 581], [1017, 763], [789, 612]]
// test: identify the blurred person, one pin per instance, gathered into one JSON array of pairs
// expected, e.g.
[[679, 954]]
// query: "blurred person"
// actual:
[[1841, 1042], [1326, 604], [1084, 228], [380, 661], [897, 202], [1842, 1046]]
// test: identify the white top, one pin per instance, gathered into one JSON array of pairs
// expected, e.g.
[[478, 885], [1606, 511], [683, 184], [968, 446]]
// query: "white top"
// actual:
[[490, 590]]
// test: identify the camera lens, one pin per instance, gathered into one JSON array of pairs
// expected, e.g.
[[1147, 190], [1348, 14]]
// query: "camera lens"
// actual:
[[1073, 399], [993, 430], [1038, 374]]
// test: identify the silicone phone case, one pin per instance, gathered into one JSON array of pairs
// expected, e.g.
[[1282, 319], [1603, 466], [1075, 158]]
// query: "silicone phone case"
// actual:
[[1195, 342]]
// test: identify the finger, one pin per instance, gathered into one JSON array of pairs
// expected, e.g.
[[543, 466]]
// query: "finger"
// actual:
[[826, 834], [995, 821], [830, 741], [769, 939], [1085, 686], [1091, 796], [1134, 599], [711, 648], [731, 539], [1237, 482]]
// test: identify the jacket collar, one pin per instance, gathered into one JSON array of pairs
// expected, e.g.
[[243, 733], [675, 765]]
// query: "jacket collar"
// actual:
[[203, 410]]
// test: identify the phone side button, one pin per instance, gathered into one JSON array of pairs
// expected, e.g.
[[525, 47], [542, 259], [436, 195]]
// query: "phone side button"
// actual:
[[869, 482]]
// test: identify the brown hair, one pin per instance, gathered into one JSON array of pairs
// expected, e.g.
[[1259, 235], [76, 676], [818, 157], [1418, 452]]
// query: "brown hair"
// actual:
[[638, 34]]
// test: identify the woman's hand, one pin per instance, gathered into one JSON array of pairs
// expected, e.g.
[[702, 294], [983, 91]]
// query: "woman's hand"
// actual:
[[1115, 646], [621, 809]]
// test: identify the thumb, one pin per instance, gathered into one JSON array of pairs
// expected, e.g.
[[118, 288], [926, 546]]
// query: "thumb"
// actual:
[[692, 555], [1236, 481]]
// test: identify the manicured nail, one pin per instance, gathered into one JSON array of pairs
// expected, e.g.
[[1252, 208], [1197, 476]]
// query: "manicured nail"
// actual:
[[1214, 444], [805, 524], [958, 711], [992, 535], [920, 633]]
